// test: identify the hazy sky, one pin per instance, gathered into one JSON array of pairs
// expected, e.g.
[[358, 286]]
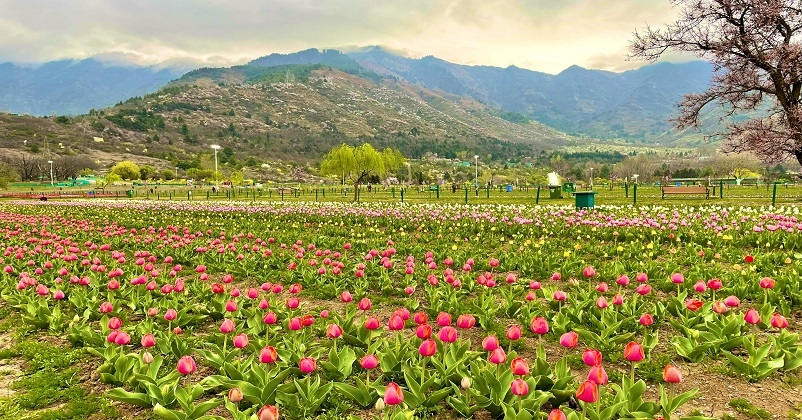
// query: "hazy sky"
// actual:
[[544, 35]]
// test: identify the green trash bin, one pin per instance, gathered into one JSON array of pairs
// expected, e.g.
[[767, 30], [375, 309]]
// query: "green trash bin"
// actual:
[[569, 187], [585, 199], [130, 193], [554, 191]]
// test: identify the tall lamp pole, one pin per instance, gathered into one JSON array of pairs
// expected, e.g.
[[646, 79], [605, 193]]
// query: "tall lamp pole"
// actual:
[[176, 172], [476, 171], [51, 172], [591, 178], [409, 173], [216, 183]]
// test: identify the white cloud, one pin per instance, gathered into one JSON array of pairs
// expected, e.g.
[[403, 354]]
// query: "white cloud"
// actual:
[[546, 35]]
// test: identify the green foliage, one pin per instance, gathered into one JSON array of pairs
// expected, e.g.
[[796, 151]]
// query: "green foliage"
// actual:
[[137, 120], [167, 175], [7, 174], [126, 170], [146, 172], [746, 407], [513, 117]]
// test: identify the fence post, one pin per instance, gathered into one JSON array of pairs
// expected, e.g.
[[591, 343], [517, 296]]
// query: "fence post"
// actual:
[[634, 194], [466, 195], [721, 189], [537, 196], [402, 194], [626, 189], [774, 195]]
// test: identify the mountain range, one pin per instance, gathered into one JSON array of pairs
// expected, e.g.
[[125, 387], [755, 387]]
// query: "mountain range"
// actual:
[[634, 105]]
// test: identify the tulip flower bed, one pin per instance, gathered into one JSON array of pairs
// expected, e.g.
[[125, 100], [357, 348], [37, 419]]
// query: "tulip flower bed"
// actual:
[[305, 310]]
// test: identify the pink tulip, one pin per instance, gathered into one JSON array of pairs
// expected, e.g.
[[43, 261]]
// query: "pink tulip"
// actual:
[[227, 326], [396, 323], [714, 284], [427, 348], [634, 352], [677, 278], [622, 280], [105, 308], [393, 394], [641, 278], [519, 387], [602, 287], [372, 324], [448, 334], [295, 324], [752, 317], [700, 286], [443, 319], [170, 315], [307, 365], [592, 357], [767, 283], [732, 301], [346, 297], [231, 306], [539, 325], [519, 367], [779, 321], [598, 375], [364, 304], [423, 331], [490, 343], [241, 341], [557, 414], [556, 276], [420, 318], [643, 289], [559, 295], [369, 362], [646, 320], [588, 392], [514, 333], [569, 340], [720, 307], [270, 318], [601, 302], [466, 321], [186, 365], [268, 355], [334, 331], [58, 295], [148, 340], [498, 356], [588, 271]]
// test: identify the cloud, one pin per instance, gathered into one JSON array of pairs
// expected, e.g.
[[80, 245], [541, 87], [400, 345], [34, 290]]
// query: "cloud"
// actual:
[[546, 35]]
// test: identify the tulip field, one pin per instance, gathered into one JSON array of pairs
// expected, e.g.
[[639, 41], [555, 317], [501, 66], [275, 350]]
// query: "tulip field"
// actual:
[[302, 310]]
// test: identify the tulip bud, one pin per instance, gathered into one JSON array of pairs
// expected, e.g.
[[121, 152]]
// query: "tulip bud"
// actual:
[[598, 375], [465, 383], [592, 357], [498, 356], [379, 406], [268, 355], [519, 387], [752, 317], [490, 343], [514, 333], [779, 321], [147, 358], [634, 352], [307, 365], [235, 395], [427, 348], [519, 367], [268, 412], [557, 414], [588, 392], [186, 365]]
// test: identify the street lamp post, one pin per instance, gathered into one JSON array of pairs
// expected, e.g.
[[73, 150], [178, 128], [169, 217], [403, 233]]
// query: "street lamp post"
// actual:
[[591, 178], [635, 177], [409, 173], [476, 172], [176, 172], [51, 172], [216, 183]]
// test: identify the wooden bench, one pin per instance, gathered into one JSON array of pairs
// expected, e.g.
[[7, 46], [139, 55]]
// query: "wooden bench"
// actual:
[[686, 190]]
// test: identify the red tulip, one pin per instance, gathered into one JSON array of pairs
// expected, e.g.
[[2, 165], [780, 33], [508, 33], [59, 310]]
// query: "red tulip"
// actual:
[[715, 284], [448, 334], [307, 320], [186, 365], [393, 394], [694, 304], [241, 341], [634, 352], [519, 367], [268, 412], [672, 375], [598, 375], [268, 355], [752, 317], [466, 321], [749, 259], [519, 387], [588, 392], [307, 365], [569, 340], [427, 348]]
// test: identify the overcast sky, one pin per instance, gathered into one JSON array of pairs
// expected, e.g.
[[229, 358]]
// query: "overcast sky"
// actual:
[[543, 35]]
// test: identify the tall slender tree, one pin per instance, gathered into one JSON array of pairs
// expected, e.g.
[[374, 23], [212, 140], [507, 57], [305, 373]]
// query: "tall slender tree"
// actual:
[[756, 49]]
